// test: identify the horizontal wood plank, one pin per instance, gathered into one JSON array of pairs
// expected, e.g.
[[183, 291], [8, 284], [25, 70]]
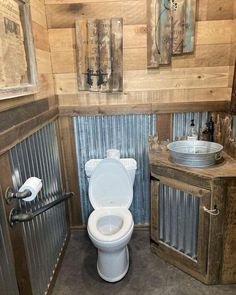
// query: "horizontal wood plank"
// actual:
[[43, 59], [63, 61], [19, 132], [206, 9], [214, 32], [179, 78], [135, 36], [62, 39], [65, 15], [143, 108], [169, 97], [38, 13], [17, 115], [218, 9], [136, 58], [13, 102], [45, 86], [84, 1], [40, 35]]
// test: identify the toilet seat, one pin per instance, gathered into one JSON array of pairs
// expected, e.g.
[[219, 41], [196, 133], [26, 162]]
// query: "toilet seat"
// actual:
[[95, 217], [110, 185]]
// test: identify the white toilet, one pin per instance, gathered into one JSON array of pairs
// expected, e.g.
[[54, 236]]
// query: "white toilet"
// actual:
[[110, 225]]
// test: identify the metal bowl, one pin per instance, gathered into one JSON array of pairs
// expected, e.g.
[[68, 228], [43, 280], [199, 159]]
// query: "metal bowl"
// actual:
[[195, 153]]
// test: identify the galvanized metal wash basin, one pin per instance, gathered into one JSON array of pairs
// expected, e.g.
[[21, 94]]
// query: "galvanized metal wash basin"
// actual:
[[195, 153]]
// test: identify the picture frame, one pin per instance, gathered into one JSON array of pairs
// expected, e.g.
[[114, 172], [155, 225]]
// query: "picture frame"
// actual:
[[18, 70]]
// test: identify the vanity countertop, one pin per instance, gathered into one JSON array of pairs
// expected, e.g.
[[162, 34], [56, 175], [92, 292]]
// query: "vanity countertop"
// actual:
[[226, 167]]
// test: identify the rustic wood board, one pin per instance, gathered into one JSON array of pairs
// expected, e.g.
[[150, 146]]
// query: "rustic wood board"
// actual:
[[40, 37], [178, 12], [67, 144], [223, 131], [153, 53], [154, 230], [201, 99], [104, 29], [100, 54], [165, 23], [65, 15], [233, 96], [11, 118], [170, 30], [189, 27], [93, 52], [228, 274], [164, 127], [117, 54], [81, 50], [174, 85]]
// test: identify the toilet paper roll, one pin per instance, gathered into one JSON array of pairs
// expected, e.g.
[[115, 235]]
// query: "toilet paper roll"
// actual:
[[113, 153], [32, 184]]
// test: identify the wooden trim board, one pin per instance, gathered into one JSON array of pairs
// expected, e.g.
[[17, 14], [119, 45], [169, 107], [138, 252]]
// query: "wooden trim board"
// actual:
[[145, 108], [70, 169], [19, 122]]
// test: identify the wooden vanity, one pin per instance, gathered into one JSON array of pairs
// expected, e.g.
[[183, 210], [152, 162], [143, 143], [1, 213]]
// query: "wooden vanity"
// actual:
[[183, 230]]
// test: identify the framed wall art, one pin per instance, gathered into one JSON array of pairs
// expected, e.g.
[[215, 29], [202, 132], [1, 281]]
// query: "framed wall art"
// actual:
[[17, 57]]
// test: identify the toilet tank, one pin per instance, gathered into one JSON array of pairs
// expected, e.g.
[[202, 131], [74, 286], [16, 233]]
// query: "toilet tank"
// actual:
[[129, 163]]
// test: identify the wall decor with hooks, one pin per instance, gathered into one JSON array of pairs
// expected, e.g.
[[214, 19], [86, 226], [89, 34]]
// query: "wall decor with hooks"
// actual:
[[100, 54], [170, 30]]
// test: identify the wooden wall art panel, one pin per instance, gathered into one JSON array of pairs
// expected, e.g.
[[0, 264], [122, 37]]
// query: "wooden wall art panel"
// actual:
[[170, 30], [100, 54], [17, 55]]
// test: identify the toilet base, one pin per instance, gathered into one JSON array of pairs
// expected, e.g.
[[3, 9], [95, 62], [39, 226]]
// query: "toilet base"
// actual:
[[112, 267]]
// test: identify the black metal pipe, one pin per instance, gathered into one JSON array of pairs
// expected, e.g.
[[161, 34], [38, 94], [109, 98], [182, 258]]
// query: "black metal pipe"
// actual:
[[16, 216], [12, 194], [21, 195]]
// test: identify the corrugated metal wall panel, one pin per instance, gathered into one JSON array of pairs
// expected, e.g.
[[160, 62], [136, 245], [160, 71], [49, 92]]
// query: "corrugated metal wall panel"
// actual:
[[44, 236], [182, 121], [8, 284], [178, 219], [128, 133]]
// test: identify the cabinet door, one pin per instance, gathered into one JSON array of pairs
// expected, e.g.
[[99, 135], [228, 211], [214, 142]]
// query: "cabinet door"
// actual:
[[179, 225]]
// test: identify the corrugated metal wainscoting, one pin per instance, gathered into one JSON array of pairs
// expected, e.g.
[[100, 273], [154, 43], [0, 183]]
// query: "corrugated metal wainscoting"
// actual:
[[8, 285], [128, 133], [178, 219], [182, 121], [44, 236]]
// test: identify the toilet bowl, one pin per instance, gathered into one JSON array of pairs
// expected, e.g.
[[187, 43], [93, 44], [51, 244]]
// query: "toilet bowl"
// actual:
[[110, 225]]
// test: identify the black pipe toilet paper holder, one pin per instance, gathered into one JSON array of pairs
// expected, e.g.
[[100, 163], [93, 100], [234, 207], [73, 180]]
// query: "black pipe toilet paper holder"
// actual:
[[18, 215], [11, 194]]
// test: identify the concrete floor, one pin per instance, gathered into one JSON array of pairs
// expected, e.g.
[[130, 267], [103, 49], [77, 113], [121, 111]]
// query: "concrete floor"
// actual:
[[148, 274]]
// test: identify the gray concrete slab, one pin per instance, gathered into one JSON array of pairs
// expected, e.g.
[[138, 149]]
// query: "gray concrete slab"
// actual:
[[148, 274]]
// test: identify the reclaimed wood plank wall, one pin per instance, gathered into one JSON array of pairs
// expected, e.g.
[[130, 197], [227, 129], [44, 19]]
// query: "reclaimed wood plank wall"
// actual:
[[43, 59], [205, 75]]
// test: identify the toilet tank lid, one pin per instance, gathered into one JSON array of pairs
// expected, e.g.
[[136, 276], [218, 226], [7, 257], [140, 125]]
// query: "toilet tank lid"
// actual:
[[129, 164], [110, 185]]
